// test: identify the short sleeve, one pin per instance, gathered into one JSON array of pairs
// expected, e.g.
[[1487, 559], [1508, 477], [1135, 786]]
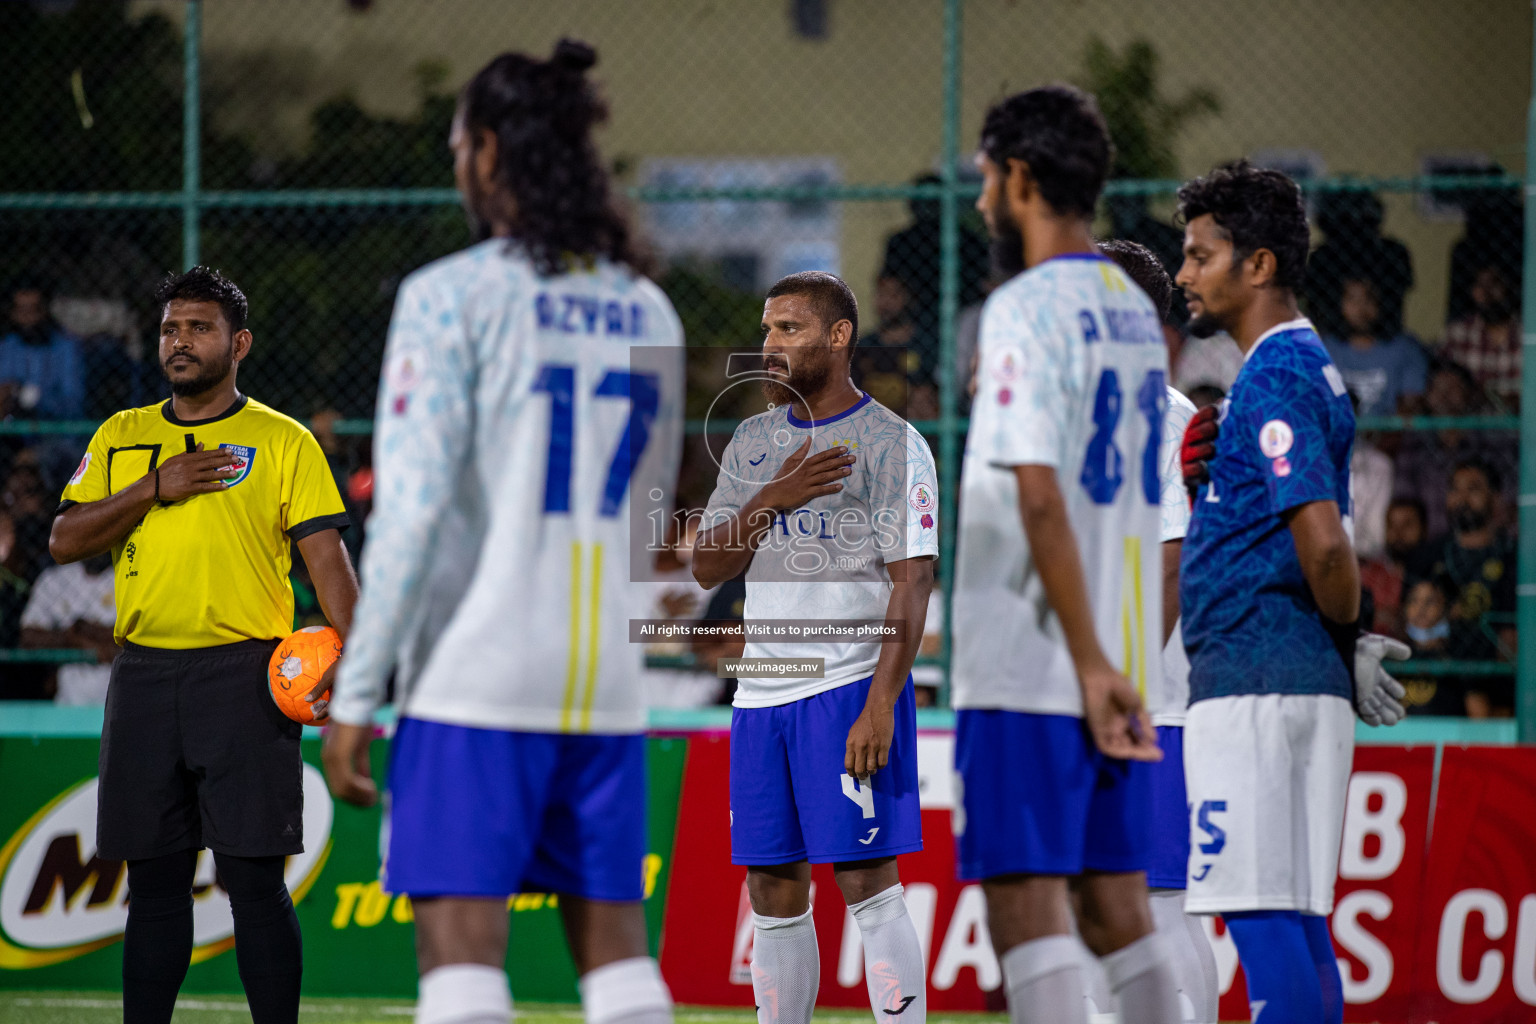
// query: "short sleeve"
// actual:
[[1175, 500], [1285, 426], [906, 496], [311, 500], [1019, 412], [731, 491], [89, 482]]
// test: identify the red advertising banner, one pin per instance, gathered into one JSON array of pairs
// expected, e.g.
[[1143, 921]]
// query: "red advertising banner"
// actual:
[[1435, 918]]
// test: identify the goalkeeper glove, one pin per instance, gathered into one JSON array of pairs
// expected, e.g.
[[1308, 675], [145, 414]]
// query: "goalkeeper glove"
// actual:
[[1378, 697], [1197, 449]]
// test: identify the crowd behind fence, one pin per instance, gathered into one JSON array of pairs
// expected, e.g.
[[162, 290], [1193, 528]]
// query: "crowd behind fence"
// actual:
[[1415, 280]]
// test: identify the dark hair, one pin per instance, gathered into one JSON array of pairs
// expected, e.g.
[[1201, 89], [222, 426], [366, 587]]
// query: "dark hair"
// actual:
[[829, 294], [204, 284], [1145, 269], [1480, 465], [1441, 582], [1416, 505], [1257, 208], [542, 114], [1058, 131]]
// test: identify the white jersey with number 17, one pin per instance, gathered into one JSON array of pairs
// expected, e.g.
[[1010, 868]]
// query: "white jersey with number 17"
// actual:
[[1071, 375], [529, 431]]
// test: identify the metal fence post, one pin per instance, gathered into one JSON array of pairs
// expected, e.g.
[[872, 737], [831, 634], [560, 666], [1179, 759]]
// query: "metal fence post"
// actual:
[[191, 131], [1525, 680], [949, 310]]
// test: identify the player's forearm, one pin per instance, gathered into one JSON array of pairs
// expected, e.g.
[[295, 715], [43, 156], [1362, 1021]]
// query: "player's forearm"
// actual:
[[1172, 551], [1327, 559], [34, 637], [335, 583], [1053, 547], [725, 550], [907, 613], [93, 527]]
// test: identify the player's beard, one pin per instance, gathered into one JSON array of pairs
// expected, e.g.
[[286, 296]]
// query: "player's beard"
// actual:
[[1203, 326], [809, 370], [209, 374], [1007, 248]]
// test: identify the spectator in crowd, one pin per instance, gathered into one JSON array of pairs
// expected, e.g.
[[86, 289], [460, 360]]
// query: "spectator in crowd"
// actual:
[[1384, 370], [913, 256], [1370, 491], [71, 607], [1494, 236], [30, 502], [1479, 561], [41, 370], [897, 363], [1426, 613], [1355, 248], [17, 681], [727, 605], [1487, 339], [1425, 459], [1382, 575]]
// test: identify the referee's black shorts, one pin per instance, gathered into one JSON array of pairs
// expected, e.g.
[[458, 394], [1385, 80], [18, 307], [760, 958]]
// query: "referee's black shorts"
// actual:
[[195, 754]]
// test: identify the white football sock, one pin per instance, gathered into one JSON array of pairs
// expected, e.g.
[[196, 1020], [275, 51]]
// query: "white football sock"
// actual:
[[1101, 1004], [1044, 978], [464, 994], [1194, 965], [786, 968], [1142, 981], [893, 960], [626, 992]]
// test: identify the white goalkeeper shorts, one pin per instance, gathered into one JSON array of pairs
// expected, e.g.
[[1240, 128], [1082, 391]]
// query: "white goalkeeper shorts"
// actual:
[[1267, 776]]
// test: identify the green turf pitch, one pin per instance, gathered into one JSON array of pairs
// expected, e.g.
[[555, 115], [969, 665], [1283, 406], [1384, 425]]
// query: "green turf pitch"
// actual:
[[105, 1008]]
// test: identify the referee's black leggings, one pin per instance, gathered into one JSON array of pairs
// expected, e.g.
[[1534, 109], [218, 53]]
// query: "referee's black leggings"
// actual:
[[157, 947]]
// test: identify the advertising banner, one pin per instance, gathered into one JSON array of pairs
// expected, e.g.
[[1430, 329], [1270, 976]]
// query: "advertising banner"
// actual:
[[1436, 902], [63, 908]]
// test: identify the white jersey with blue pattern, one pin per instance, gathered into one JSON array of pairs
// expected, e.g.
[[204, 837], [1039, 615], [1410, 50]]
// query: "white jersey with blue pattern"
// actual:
[[528, 427], [1072, 375], [1175, 514], [827, 559]]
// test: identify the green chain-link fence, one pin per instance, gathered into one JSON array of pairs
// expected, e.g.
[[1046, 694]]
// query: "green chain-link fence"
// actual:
[[299, 145]]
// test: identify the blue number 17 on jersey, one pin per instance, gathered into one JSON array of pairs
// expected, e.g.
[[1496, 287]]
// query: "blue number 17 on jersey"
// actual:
[[644, 395], [1103, 464]]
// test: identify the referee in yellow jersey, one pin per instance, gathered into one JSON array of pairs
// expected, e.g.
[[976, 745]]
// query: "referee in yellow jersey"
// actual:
[[198, 500]]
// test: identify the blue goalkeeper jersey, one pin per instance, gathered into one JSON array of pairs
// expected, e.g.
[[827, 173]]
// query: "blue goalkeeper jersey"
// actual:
[[1250, 622]]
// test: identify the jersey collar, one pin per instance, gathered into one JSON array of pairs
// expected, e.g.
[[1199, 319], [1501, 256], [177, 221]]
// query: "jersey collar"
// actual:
[[167, 411], [1301, 323], [796, 421]]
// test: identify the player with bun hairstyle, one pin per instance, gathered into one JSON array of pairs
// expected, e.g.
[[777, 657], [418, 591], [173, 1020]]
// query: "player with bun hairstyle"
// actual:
[[530, 413]]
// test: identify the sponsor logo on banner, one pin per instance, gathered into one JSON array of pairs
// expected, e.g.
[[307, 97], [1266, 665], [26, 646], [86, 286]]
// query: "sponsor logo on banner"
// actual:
[[60, 899], [241, 457]]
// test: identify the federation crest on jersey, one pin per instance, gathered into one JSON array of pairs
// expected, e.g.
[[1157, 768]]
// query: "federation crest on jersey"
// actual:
[[242, 458], [921, 497], [1007, 362], [85, 464], [1276, 438]]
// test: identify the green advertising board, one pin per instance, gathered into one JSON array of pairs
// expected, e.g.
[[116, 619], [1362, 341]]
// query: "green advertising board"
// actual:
[[62, 908]]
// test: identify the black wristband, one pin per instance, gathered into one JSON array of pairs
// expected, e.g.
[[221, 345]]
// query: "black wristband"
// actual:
[[1344, 636]]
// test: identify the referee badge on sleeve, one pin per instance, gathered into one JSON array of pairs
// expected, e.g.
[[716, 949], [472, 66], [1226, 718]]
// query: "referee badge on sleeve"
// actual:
[[242, 457]]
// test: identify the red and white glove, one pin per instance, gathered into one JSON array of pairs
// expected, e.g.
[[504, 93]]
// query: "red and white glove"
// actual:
[[1197, 449]]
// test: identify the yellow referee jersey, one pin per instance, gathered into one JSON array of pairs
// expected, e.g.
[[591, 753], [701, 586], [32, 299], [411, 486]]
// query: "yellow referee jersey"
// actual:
[[211, 569]]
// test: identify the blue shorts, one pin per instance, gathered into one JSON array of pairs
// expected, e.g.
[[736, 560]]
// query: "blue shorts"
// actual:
[[490, 812], [791, 799], [1169, 867], [1039, 799]]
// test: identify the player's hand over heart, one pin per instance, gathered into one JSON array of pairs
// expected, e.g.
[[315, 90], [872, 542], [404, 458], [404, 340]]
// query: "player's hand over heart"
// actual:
[[869, 741], [199, 472], [1114, 715], [1198, 448], [345, 757], [804, 476]]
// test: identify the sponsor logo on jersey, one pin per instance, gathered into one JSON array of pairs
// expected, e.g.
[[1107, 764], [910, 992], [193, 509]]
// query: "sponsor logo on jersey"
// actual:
[[926, 522], [1276, 438], [1004, 396], [241, 457], [1282, 466], [85, 464], [921, 497], [60, 899]]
